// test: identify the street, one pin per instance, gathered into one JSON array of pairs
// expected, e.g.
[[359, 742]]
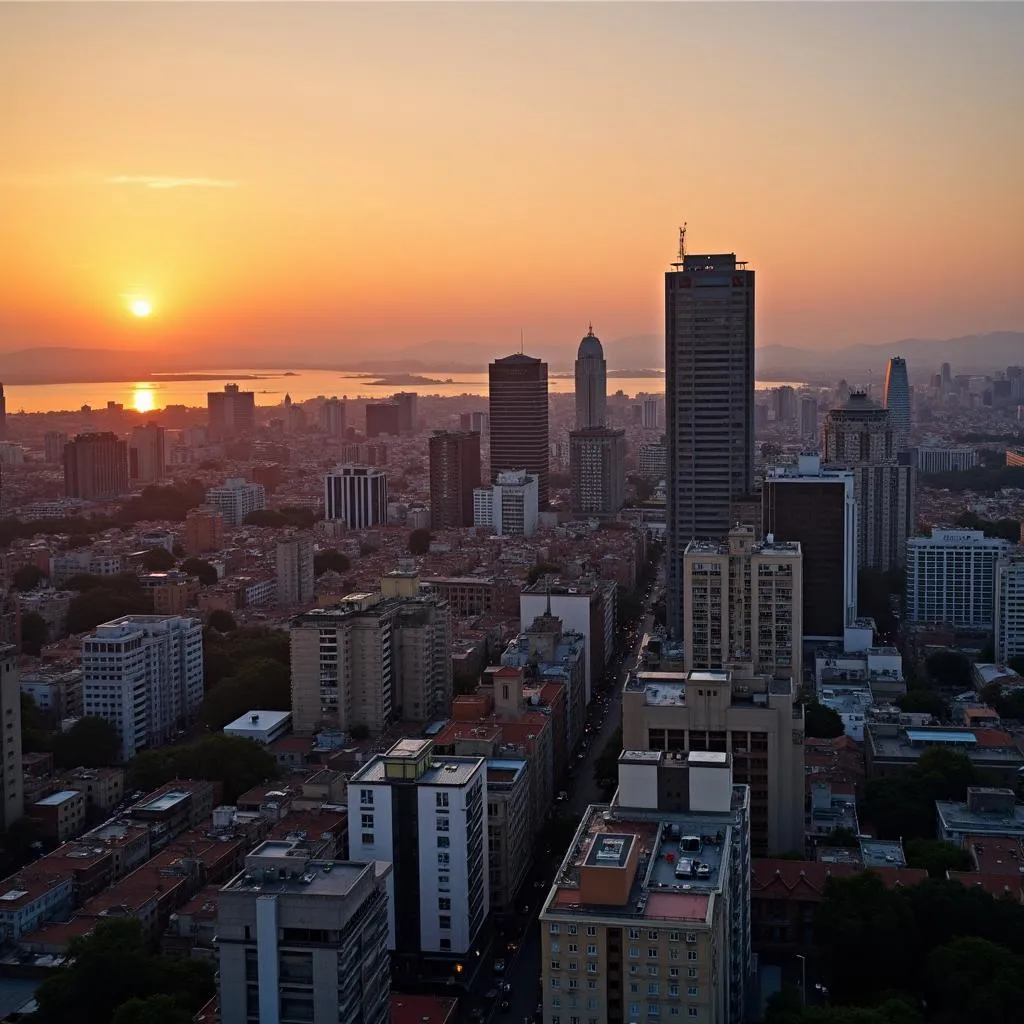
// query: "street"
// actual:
[[523, 969]]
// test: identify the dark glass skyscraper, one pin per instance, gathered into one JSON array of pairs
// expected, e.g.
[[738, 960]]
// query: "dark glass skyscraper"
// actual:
[[709, 404], [518, 388]]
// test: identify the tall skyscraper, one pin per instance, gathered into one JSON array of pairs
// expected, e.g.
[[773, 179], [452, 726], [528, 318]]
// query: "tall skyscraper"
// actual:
[[3, 414], [1009, 608], [591, 383], [358, 495], [597, 469], [946, 376], [408, 414], [295, 570], [897, 397], [147, 453], [709, 401], [96, 467], [809, 417], [518, 393], [12, 786], [332, 417], [454, 473], [231, 413], [383, 419], [303, 939]]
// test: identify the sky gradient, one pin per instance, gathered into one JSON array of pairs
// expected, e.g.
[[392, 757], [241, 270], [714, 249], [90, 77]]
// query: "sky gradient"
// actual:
[[352, 178]]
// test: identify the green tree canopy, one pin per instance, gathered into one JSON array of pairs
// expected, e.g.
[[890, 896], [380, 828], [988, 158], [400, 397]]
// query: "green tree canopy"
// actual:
[[90, 743], [542, 569], [225, 654], [266, 517], [34, 633], [261, 683], [936, 857], [419, 541], [33, 731], [950, 669], [819, 721], [28, 577], [925, 701], [222, 621], [158, 560], [330, 560], [972, 979], [201, 569]]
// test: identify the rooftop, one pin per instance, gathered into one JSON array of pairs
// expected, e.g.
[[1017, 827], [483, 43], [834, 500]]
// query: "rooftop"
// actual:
[[259, 721], [58, 798], [310, 877], [881, 853], [163, 802], [443, 770], [956, 817], [887, 741]]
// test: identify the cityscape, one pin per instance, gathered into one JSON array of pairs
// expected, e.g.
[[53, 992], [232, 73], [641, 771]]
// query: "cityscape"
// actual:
[[413, 672]]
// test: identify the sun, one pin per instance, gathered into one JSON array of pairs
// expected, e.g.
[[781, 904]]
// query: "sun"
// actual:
[[140, 308], [142, 398]]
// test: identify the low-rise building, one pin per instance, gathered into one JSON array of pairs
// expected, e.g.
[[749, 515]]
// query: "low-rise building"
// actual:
[[986, 813], [263, 727], [60, 816]]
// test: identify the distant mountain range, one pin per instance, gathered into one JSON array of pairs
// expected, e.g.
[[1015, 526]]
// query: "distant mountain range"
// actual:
[[974, 353]]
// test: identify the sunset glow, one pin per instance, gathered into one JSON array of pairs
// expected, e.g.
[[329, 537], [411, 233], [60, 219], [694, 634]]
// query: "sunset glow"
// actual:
[[143, 399], [140, 308]]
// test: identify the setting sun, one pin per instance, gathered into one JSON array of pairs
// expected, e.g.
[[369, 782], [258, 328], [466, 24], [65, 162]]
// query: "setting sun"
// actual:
[[142, 399], [140, 307]]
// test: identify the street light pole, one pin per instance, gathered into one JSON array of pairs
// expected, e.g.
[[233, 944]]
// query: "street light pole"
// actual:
[[803, 978]]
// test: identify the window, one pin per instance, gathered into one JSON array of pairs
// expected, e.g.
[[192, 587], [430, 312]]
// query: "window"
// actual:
[[556, 947], [554, 929], [591, 967], [367, 839], [574, 947], [446, 945], [673, 991], [673, 972], [556, 965], [572, 929], [692, 991], [443, 859], [673, 954], [653, 1009], [652, 970], [444, 921], [444, 880], [674, 1011], [634, 988], [691, 1011], [366, 797], [574, 983], [634, 933], [691, 972], [673, 936], [691, 937], [574, 965], [591, 984], [691, 955], [443, 842], [591, 930], [442, 823], [591, 950], [652, 989], [444, 903], [652, 935], [634, 952], [556, 982], [652, 952], [441, 799], [367, 820]]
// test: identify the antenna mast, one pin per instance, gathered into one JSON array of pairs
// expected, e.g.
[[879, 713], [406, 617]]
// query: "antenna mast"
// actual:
[[682, 243]]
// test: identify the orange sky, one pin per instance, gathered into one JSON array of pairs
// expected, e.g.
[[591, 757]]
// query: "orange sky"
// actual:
[[363, 178]]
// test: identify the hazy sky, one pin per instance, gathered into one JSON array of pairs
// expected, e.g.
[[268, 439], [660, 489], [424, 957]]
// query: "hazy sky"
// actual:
[[358, 178]]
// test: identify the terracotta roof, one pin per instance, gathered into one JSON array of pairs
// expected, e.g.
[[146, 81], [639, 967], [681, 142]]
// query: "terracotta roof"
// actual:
[[993, 738], [807, 879], [995, 885]]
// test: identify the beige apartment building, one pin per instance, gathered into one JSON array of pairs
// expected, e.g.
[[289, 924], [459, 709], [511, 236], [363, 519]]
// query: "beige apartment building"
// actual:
[[754, 718], [649, 915], [743, 604]]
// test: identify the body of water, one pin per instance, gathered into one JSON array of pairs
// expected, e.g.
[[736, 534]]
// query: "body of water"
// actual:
[[272, 385]]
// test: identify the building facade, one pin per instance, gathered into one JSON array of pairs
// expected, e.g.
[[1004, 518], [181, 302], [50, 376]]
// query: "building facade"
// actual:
[[709, 403], [300, 939], [230, 413], [897, 398], [425, 814], [591, 383], [597, 470], [383, 419], [332, 418], [204, 530], [12, 787], [295, 576], [743, 603], [357, 495], [147, 453], [1009, 608], [454, 475], [518, 404], [236, 498], [511, 506], [144, 675], [951, 578], [96, 467]]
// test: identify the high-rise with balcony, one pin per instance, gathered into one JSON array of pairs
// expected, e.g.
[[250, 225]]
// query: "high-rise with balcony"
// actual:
[[301, 939], [744, 604], [897, 398], [1009, 607], [230, 413], [424, 813], [648, 918], [709, 403], [518, 409], [454, 474], [236, 498], [96, 467]]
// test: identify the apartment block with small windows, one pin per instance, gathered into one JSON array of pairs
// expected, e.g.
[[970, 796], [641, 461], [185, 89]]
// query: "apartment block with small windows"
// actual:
[[1009, 608], [649, 915], [509, 836], [425, 814], [753, 718], [742, 603]]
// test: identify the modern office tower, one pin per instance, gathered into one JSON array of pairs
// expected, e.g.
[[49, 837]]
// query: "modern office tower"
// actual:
[[591, 383], [658, 884], [946, 376], [481, 423], [756, 719], [897, 398], [518, 395], [815, 505], [588, 606], [709, 403], [383, 419], [951, 578], [147, 453], [300, 939], [408, 414], [652, 460], [809, 418], [96, 467], [332, 417], [12, 786], [357, 495], [54, 442], [230, 413], [649, 414], [422, 649], [454, 474], [236, 498], [597, 469], [144, 675], [3, 414], [510, 506], [859, 435], [1009, 608], [295, 570], [784, 400], [204, 530], [743, 603], [425, 814]]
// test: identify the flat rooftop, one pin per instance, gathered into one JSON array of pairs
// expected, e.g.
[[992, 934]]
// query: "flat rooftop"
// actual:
[[264, 721], [58, 798], [882, 853], [957, 817], [443, 770], [319, 878], [164, 802], [911, 742]]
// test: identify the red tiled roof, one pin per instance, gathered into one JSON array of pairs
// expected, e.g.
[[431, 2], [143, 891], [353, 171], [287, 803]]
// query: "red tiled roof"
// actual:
[[993, 738], [807, 879], [996, 885]]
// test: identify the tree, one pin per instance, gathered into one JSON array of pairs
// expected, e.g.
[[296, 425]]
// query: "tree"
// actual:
[[542, 569], [90, 743], [28, 577], [950, 670], [819, 721], [34, 633], [972, 979], [87, 610], [201, 569], [262, 683], [225, 654], [936, 857], [222, 621], [265, 517], [158, 1009], [359, 731], [924, 701], [330, 560], [158, 560], [419, 541], [33, 735]]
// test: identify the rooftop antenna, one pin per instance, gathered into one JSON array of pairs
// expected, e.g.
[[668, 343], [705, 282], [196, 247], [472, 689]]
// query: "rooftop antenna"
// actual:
[[682, 243]]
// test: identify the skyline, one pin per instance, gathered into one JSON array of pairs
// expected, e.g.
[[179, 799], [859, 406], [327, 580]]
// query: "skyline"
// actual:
[[361, 179]]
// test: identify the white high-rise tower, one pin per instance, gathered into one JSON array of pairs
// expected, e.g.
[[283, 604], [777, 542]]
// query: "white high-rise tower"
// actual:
[[591, 383]]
